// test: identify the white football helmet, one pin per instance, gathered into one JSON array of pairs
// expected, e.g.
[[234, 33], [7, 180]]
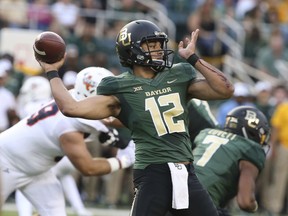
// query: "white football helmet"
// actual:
[[34, 92], [35, 88], [87, 81]]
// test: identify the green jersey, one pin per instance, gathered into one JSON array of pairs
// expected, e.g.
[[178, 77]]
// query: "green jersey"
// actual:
[[155, 111], [217, 155], [200, 117]]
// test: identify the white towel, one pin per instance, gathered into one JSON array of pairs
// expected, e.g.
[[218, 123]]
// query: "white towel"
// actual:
[[180, 195]]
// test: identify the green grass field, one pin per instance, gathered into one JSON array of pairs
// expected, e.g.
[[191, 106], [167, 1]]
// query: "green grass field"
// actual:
[[14, 213], [9, 209]]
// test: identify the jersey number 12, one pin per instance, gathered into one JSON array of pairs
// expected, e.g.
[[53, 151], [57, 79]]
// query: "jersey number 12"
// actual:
[[164, 122]]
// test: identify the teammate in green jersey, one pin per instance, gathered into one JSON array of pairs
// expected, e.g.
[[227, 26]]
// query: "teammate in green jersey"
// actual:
[[228, 161], [200, 117], [151, 100]]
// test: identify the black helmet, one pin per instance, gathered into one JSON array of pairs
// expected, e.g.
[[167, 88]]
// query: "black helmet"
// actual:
[[129, 41], [248, 122]]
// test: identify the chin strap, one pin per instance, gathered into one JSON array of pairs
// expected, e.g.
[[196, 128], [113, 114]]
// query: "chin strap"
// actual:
[[159, 65]]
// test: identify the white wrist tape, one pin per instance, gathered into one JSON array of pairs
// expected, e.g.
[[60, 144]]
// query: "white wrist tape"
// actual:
[[115, 164]]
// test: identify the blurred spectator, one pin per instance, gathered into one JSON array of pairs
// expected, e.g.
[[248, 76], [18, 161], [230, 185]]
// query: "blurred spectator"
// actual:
[[39, 14], [15, 78], [86, 6], [86, 42], [208, 44], [8, 115], [282, 8], [271, 15], [268, 56], [242, 7], [72, 60], [276, 189], [14, 13], [254, 41], [242, 96], [263, 98], [66, 12], [226, 7], [279, 94], [128, 6], [178, 11]]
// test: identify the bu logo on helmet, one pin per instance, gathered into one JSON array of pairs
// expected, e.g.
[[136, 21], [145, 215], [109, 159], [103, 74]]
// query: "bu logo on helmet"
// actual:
[[124, 37], [252, 119], [88, 82]]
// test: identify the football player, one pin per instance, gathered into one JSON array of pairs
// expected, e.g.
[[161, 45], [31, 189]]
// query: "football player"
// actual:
[[33, 146], [150, 100], [34, 93], [228, 161]]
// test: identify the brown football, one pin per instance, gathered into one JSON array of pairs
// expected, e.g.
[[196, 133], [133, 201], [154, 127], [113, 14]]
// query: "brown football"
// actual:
[[49, 47]]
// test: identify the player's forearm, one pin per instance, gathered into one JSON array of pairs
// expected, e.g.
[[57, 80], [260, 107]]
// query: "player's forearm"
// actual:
[[64, 100], [216, 78], [97, 167], [102, 166]]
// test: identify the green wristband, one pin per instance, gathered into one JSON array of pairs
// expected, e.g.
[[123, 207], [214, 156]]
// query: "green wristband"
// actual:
[[52, 74], [193, 59]]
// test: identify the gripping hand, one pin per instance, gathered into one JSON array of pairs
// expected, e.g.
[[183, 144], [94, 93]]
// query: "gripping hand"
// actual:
[[126, 156]]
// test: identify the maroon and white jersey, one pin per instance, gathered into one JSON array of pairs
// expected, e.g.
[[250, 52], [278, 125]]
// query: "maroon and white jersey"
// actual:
[[32, 145]]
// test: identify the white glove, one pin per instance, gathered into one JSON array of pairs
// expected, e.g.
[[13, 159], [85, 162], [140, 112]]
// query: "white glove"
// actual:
[[127, 155]]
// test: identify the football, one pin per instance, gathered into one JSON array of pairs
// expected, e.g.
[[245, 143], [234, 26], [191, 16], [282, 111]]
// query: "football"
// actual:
[[49, 47]]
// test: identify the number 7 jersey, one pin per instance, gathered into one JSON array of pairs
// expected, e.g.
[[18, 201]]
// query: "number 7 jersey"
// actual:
[[217, 156], [155, 111]]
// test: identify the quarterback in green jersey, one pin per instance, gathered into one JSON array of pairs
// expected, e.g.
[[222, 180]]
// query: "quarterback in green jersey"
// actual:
[[150, 99], [228, 162]]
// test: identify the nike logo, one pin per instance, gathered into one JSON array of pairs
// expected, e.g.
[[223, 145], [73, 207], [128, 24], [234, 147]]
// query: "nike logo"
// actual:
[[171, 81]]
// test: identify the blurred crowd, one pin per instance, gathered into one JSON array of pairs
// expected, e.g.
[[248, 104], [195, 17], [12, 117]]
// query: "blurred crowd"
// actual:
[[263, 45]]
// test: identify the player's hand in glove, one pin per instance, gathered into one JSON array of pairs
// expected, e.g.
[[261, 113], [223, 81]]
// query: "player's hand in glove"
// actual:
[[109, 138], [113, 139], [126, 156]]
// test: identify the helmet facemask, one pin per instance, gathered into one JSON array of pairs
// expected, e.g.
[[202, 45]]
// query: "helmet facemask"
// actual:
[[156, 64]]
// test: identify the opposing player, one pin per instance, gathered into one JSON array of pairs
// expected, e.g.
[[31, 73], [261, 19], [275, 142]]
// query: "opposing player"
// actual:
[[151, 101], [228, 161], [33, 146], [34, 93]]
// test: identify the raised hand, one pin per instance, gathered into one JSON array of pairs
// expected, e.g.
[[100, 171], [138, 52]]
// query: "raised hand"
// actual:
[[188, 47]]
